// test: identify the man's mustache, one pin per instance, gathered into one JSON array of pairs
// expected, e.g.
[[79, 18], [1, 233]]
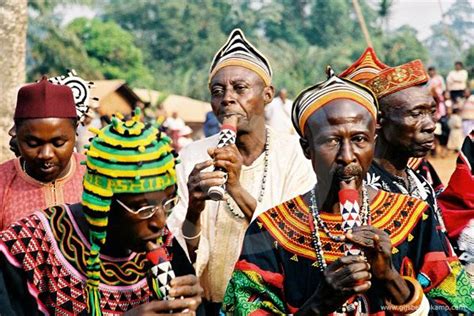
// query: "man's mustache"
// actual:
[[348, 171]]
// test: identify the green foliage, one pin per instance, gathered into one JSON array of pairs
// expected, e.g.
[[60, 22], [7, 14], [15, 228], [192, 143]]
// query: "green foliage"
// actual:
[[111, 50], [469, 61], [402, 46], [52, 50], [451, 39], [168, 45]]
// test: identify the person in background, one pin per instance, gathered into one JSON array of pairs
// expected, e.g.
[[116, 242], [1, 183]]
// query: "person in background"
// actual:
[[467, 113], [13, 142], [437, 86], [185, 137], [48, 171], [278, 113], [92, 119], [211, 125], [456, 136], [457, 81], [173, 125], [443, 137]]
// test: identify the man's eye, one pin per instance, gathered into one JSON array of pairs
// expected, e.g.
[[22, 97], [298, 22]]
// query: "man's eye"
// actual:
[[59, 143], [415, 114], [359, 139], [239, 88], [332, 141], [32, 144], [216, 92]]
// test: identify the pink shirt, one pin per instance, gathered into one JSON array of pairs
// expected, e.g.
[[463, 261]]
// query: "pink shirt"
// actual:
[[21, 195]]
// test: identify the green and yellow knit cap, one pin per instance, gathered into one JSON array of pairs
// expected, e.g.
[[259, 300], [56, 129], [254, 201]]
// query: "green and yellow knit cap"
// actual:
[[123, 157]]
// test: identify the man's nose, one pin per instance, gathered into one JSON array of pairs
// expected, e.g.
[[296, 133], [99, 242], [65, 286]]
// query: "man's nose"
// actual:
[[157, 221], [429, 124], [228, 97], [346, 153], [46, 152]]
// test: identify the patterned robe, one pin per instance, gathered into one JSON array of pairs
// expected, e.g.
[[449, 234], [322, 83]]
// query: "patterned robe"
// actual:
[[21, 195], [43, 268], [381, 179], [277, 271]]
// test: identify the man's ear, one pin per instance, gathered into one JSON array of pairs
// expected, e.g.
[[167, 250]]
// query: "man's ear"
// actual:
[[380, 121], [268, 93], [305, 146]]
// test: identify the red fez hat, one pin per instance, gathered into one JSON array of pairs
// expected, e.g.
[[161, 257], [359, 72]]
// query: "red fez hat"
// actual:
[[43, 100]]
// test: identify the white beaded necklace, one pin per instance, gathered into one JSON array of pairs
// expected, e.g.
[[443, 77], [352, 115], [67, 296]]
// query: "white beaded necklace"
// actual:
[[239, 213]]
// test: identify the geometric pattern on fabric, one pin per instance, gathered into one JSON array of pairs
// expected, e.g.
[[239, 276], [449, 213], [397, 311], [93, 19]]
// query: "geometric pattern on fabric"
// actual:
[[238, 51], [164, 274], [226, 137], [52, 272], [80, 90], [317, 96], [456, 289], [350, 209], [76, 252], [393, 79], [288, 223], [366, 67], [239, 285]]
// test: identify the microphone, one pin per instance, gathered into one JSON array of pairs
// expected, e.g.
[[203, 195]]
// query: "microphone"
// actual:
[[227, 136], [349, 208], [160, 274]]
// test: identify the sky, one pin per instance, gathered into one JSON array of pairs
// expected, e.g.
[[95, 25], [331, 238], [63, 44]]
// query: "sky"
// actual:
[[420, 14]]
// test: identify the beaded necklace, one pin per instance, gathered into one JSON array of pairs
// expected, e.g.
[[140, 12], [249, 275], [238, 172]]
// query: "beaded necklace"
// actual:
[[316, 239], [239, 213]]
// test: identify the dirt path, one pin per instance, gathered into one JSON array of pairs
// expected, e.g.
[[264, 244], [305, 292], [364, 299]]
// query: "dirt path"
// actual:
[[444, 167]]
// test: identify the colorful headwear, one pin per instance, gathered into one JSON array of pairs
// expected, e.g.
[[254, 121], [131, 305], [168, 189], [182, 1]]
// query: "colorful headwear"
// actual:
[[315, 97], [365, 68], [398, 78], [237, 51], [80, 90], [44, 100], [382, 79], [124, 157]]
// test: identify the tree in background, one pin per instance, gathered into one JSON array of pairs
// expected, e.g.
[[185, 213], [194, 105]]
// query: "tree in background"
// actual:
[[469, 61], [177, 39], [111, 51], [402, 46], [13, 24], [451, 39], [51, 48]]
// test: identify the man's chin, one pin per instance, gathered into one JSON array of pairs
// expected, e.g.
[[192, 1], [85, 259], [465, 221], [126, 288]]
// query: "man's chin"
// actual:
[[420, 153]]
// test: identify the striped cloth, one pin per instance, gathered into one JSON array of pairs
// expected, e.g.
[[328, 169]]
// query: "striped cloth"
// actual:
[[238, 51], [315, 97]]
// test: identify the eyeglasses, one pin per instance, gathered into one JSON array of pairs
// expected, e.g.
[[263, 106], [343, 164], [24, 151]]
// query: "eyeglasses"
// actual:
[[148, 211]]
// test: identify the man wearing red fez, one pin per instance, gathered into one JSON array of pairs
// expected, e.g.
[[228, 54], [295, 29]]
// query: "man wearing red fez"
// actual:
[[405, 130], [47, 172]]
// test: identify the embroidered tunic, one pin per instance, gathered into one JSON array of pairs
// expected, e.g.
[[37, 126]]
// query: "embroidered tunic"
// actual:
[[420, 188], [277, 271], [43, 269], [21, 195], [289, 173]]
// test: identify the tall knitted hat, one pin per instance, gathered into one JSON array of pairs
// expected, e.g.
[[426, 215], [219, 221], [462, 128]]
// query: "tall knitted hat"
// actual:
[[123, 157]]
